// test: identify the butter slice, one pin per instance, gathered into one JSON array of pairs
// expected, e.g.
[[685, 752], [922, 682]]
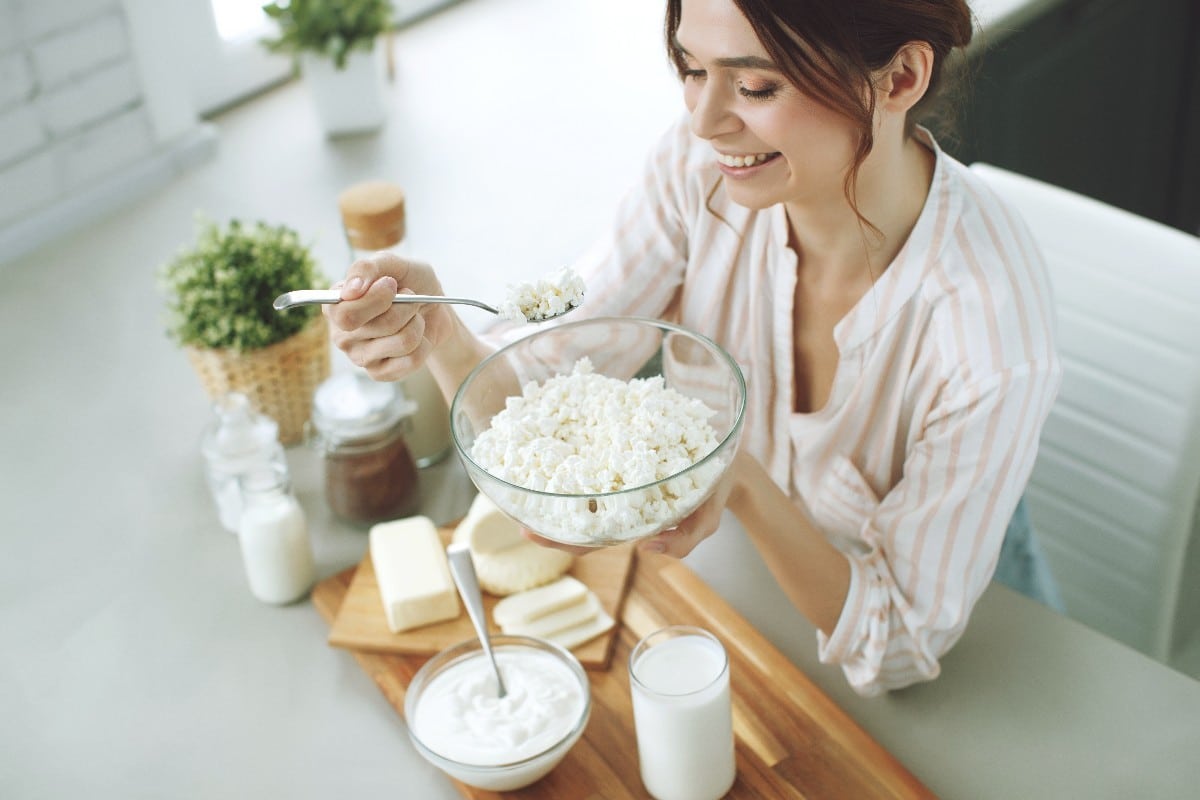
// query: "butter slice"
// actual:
[[550, 624], [530, 604], [586, 631], [412, 573]]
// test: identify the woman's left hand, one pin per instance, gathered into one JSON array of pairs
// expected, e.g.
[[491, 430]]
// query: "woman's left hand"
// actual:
[[677, 542]]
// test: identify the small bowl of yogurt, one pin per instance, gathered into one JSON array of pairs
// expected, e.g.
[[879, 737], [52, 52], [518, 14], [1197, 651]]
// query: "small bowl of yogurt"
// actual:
[[458, 722]]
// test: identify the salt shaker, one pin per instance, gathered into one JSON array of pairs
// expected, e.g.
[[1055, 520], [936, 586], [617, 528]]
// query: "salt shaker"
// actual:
[[273, 534], [373, 219], [683, 714], [236, 441]]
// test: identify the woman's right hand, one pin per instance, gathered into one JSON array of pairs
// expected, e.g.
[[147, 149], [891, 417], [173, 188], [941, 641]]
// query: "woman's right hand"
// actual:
[[389, 340]]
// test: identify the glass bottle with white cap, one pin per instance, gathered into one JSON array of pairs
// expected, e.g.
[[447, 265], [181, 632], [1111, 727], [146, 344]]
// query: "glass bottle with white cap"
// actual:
[[237, 440]]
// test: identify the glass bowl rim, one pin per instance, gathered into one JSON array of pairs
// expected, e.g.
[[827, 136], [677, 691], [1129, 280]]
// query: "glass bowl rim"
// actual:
[[734, 429], [457, 653]]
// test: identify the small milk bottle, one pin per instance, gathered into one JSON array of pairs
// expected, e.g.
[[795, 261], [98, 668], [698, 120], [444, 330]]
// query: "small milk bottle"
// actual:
[[273, 533], [237, 440], [373, 218]]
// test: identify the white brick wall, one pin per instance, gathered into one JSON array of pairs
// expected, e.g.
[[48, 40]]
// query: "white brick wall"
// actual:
[[21, 133], [30, 183], [76, 51], [89, 100], [72, 109], [16, 78], [40, 17], [10, 32], [105, 148]]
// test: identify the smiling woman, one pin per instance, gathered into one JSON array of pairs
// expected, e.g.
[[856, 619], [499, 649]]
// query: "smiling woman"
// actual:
[[891, 316]]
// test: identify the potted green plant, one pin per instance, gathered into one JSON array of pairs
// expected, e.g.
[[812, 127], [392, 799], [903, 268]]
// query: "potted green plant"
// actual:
[[219, 294], [335, 43]]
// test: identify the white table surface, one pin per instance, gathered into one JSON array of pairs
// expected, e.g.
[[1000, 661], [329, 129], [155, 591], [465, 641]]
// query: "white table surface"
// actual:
[[134, 662]]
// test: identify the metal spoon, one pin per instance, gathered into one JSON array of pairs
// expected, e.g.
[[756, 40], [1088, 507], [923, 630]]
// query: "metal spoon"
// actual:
[[308, 297], [463, 570]]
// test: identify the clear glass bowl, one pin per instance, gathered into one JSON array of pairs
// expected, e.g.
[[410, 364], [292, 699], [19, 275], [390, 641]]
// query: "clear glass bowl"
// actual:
[[621, 348], [512, 774]]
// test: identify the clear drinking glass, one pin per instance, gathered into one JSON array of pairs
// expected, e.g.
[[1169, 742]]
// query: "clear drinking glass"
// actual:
[[683, 714]]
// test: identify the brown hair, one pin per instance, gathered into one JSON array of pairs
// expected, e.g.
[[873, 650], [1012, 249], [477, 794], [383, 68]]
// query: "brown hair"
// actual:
[[830, 48]]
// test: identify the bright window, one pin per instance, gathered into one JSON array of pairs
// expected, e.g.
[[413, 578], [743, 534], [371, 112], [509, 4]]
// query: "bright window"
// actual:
[[237, 19]]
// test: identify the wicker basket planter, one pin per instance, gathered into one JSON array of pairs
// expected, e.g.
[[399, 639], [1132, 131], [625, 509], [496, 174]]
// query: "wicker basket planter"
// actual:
[[279, 379]]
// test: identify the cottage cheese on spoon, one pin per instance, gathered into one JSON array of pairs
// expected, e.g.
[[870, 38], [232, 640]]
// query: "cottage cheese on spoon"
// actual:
[[549, 296]]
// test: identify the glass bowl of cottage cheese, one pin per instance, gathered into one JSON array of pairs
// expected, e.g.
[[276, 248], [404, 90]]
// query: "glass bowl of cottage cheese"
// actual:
[[601, 431]]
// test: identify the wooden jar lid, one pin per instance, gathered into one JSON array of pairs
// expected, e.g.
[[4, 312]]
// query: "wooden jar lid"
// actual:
[[372, 214]]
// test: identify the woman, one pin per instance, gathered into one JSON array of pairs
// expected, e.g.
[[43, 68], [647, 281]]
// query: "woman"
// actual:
[[892, 318]]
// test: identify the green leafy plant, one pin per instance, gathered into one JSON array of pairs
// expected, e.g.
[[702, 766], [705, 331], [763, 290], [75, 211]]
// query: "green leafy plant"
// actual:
[[220, 289], [329, 27]]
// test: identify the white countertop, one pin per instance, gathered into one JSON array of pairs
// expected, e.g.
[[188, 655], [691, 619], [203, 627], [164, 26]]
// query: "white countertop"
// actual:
[[136, 664]]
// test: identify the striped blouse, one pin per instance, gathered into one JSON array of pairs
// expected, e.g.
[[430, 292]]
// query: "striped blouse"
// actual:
[[946, 373]]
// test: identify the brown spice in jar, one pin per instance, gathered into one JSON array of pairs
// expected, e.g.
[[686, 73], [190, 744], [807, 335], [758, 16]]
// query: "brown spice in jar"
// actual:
[[369, 485]]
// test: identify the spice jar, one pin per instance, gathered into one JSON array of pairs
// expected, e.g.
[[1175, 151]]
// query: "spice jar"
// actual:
[[273, 535], [237, 440], [373, 219], [359, 426]]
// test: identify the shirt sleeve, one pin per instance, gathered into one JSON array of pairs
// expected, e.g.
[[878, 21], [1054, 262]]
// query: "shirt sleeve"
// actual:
[[932, 542], [638, 266]]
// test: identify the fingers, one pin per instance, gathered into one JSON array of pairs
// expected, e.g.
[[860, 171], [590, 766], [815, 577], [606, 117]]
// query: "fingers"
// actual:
[[363, 303], [392, 344], [677, 542], [388, 367]]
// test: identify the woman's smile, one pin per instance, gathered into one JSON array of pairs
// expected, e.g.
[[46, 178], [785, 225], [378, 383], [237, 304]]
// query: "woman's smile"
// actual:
[[744, 165]]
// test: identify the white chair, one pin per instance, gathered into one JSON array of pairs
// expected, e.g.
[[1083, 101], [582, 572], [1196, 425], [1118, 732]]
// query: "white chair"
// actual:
[[1113, 497]]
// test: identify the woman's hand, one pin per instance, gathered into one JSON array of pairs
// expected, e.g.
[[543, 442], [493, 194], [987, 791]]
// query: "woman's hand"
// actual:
[[677, 542], [389, 340]]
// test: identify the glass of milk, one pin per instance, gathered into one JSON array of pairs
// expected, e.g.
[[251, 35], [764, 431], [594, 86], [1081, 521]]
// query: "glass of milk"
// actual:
[[682, 714]]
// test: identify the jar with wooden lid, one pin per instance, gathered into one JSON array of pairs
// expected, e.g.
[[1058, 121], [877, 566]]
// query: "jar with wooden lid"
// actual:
[[359, 427], [373, 219]]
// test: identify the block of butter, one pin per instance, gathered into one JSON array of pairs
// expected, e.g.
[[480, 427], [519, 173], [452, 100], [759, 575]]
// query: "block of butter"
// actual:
[[412, 573]]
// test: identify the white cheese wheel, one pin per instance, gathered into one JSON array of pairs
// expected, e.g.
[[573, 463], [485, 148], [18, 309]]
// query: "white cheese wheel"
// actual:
[[487, 529], [505, 561], [519, 568]]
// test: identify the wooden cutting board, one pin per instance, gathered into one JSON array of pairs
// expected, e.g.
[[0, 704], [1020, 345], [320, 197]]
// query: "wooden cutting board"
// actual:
[[792, 741], [360, 623]]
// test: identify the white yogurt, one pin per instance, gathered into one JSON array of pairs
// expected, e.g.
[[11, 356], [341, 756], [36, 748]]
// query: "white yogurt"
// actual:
[[683, 718], [460, 717]]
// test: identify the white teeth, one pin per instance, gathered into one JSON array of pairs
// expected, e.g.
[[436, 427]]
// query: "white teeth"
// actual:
[[742, 161]]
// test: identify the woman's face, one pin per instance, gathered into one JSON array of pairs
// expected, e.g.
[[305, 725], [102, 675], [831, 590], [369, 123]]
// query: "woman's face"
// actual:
[[772, 143]]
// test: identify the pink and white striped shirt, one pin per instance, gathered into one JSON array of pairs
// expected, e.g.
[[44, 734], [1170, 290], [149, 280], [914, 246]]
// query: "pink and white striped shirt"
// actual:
[[947, 371]]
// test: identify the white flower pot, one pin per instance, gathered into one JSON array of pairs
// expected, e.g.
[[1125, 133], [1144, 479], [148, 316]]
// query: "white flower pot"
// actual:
[[349, 100]]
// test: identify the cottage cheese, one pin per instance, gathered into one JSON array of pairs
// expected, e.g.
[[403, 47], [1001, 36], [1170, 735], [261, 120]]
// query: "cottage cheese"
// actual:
[[549, 296], [617, 460]]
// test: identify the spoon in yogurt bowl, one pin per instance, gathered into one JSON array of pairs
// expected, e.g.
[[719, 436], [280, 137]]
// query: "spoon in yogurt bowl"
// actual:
[[462, 568], [550, 297]]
